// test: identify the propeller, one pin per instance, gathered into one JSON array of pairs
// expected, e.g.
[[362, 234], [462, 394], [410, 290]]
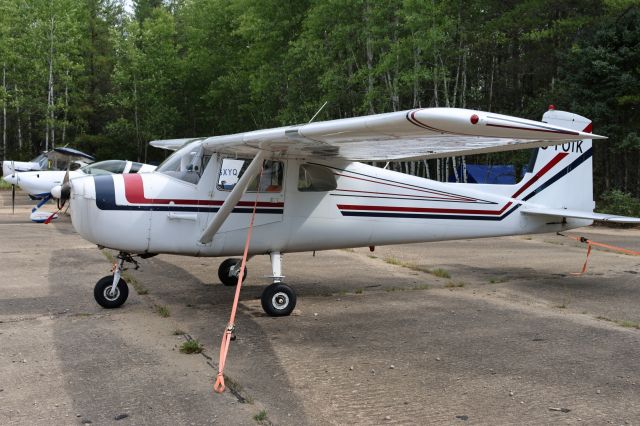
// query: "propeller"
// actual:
[[13, 189], [61, 193], [13, 199]]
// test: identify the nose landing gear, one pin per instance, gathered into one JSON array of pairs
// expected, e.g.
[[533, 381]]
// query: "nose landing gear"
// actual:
[[112, 291]]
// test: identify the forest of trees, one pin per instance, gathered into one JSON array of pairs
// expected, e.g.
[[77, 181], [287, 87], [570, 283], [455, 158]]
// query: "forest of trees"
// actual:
[[107, 77]]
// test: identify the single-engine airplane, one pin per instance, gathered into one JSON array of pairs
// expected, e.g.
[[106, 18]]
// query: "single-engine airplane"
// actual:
[[38, 184], [312, 193], [51, 160]]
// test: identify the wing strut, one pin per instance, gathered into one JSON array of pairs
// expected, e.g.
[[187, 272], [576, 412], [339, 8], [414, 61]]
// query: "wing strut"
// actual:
[[227, 207]]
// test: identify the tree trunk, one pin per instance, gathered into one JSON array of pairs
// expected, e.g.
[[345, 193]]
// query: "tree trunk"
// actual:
[[66, 106], [369, 48]]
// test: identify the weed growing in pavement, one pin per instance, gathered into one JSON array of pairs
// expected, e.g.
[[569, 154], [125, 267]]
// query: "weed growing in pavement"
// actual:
[[359, 290], [191, 347], [621, 323], [261, 416], [440, 273], [421, 287], [452, 284], [163, 311]]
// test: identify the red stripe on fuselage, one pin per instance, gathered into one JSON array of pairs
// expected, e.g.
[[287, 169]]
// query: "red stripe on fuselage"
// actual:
[[134, 193]]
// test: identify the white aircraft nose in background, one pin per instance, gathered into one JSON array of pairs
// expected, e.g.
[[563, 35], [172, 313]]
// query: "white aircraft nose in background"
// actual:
[[11, 179]]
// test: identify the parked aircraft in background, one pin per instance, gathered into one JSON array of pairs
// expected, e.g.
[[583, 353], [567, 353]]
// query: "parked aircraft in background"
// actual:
[[38, 184], [309, 192], [56, 159]]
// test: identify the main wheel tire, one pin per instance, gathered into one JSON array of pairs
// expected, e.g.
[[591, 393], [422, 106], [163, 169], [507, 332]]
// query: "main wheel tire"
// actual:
[[101, 292], [278, 300], [225, 275]]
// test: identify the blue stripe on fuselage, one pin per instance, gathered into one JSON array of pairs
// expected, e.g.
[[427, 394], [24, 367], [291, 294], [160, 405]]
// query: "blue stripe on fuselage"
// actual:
[[106, 200]]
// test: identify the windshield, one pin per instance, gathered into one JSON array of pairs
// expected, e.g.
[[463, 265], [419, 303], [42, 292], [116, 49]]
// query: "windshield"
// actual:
[[105, 167], [186, 164]]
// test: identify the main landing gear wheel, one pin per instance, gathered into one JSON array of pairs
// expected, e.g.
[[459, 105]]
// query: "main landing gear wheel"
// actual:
[[229, 270], [105, 298], [278, 300]]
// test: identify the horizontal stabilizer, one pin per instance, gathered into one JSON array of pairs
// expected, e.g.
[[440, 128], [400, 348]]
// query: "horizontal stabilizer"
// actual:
[[543, 211]]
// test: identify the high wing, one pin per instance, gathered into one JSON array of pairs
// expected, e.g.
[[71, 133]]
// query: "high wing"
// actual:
[[543, 211], [69, 154], [405, 135], [172, 144]]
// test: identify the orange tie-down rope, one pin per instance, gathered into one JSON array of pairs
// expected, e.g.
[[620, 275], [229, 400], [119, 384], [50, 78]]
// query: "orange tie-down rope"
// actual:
[[590, 243], [228, 332]]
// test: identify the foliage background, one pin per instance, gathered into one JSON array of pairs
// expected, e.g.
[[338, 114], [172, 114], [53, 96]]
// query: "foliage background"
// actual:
[[92, 74]]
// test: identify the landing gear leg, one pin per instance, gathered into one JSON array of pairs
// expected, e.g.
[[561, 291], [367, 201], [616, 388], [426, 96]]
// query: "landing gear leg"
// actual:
[[278, 299], [112, 291]]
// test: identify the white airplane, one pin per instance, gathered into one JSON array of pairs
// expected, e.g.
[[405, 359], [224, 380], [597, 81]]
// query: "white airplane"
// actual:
[[38, 184], [56, 157], [310, 192]]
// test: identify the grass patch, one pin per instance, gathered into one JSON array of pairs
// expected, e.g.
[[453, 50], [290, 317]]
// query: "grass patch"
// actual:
[[261, 416], [163, 311], [498, 280], [621, 323], [440, 273], [359, 290], [628, 324], [563, 306], [390, 289], [372, 256], [137, 285], [5, 185], [452, 284], [191, 347], [421, 287], [348, 250]]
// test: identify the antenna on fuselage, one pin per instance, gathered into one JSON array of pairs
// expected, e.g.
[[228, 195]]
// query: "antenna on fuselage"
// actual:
[[316, 114]]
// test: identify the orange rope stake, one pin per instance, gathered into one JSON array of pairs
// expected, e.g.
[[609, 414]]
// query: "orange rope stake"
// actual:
[[228, 332], [590, 243]]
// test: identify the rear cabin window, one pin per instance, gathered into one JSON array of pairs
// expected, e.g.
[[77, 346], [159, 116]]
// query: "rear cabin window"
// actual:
[[232, 170], [314, 178]]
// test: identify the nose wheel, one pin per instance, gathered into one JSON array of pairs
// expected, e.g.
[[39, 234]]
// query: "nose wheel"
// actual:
[[278, 300], [112, 291], [109, 297]]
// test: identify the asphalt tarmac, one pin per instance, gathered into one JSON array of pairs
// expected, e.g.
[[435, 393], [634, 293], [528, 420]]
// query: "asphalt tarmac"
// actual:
[[492, 331]]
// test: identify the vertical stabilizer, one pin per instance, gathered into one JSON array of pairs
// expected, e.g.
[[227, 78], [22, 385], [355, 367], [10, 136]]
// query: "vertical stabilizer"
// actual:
[[563, 173]]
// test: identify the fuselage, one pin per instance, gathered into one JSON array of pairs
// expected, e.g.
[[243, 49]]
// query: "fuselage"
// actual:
[[364, 206]]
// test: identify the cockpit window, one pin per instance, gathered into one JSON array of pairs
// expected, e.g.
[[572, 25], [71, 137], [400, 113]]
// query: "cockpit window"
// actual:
[[232, 170], [186, 164], [105, 167], [314, 178]]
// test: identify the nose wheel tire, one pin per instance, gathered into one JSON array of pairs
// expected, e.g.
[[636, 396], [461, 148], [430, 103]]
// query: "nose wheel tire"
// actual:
[[105, 298], [229, 270], [278, 300]]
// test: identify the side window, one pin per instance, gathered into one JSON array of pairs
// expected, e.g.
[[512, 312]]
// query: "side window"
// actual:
[[313, 178], [233, 169], [135, 167]]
